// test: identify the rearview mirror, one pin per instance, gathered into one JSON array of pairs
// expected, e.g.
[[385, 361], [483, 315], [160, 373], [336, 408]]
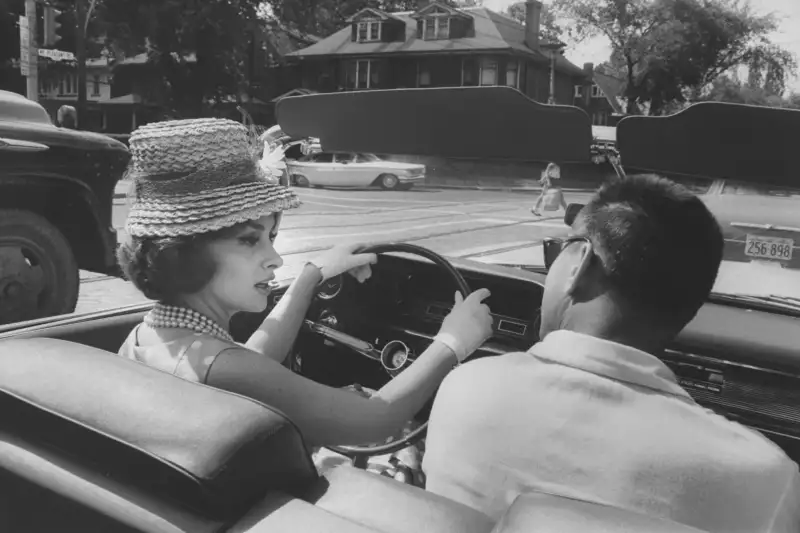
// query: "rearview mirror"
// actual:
[[571, 213]]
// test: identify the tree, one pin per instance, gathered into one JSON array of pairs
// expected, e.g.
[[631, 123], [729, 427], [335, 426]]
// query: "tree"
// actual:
[[550, 30], [196, 49], [729, 89], [671, 50]]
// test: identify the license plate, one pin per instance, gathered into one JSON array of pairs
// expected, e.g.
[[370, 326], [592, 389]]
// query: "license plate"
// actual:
[[768, 247]]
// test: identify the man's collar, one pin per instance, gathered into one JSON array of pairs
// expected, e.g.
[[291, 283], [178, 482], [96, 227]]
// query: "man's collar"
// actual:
[[609, 359]]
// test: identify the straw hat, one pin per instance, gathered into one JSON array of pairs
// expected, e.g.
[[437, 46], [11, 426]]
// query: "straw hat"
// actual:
[[200, 175]]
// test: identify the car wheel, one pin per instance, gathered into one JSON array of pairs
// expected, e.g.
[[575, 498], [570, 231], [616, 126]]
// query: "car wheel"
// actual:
[[38, 271], [388, 182], [300, 181]]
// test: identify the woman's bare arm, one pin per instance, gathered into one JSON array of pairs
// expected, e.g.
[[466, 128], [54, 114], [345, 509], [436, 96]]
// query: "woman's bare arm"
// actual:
[[276, 334], [327, 415]]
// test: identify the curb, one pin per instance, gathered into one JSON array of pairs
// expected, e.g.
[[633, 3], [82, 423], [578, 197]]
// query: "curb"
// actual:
[[528, 190]]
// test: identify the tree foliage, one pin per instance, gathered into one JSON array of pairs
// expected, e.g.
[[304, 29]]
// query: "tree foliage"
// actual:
[[196, 49], [671, 50]]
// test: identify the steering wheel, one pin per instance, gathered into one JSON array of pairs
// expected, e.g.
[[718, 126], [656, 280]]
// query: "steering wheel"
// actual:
[[418, 433]]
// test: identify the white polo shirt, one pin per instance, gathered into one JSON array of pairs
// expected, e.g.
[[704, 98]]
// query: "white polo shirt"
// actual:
[[591, 419]]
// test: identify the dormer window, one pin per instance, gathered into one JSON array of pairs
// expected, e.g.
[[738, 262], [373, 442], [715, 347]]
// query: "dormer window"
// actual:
[[437, 27], [369, 31]]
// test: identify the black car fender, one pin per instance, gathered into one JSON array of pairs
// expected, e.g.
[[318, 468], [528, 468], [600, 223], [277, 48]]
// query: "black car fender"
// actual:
[[70, 205]]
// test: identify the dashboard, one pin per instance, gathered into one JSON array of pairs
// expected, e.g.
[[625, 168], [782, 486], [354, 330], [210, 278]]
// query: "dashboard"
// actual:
[[412, 298], [741, 362]]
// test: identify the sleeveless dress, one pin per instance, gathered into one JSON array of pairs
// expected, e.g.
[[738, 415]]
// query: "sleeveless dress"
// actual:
[[191, 357], [188, 357]]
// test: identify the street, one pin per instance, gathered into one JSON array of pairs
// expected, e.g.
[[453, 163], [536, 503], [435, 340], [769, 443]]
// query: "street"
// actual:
[[456, 223]]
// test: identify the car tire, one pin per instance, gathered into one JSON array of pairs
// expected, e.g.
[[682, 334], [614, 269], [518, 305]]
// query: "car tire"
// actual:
[[300, 180], [38, 271], [388, 182]]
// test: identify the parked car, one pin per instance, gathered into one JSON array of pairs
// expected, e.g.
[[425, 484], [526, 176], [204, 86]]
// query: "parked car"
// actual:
[[339, 169], [56, 195], [742, 163]]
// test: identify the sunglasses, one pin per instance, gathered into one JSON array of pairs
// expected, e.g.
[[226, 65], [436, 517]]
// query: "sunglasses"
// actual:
[[552, 247]]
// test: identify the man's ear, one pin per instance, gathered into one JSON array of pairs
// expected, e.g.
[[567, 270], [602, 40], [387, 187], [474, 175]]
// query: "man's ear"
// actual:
[[580, 273]]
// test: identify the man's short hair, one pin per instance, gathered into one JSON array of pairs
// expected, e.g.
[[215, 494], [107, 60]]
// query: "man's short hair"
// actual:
[[659, 244]]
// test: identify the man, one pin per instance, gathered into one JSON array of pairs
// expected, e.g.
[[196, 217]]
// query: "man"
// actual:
[[587, 412]]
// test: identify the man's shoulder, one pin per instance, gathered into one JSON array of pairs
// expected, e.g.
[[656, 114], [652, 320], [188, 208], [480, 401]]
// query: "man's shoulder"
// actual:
[[486, 368]]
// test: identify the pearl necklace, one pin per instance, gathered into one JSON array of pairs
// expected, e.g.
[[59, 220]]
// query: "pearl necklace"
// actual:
[[170, 316]]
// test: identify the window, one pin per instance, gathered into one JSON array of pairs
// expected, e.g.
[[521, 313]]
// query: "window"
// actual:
[[512, 74], [437, 28], [367, 158], [369, 31], [343, 158], [488, 74], [469, 70], [362, 74], [322, 157], [423, 74], [96, 86], [596, 92], [579, 91]]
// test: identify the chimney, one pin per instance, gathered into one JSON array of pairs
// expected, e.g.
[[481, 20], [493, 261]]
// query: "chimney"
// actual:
[[588, 82], [533, 22]]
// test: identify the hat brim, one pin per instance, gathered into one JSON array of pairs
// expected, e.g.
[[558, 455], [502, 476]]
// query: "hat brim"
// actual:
[[192, 214]]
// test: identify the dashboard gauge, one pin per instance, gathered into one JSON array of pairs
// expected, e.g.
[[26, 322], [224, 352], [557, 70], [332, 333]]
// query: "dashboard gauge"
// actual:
[[394, 355], [330, 288]]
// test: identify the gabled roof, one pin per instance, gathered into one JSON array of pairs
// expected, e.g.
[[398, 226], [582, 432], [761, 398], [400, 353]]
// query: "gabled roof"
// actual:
[[493, 32], [438, 6], [612, 89], [373, 13]]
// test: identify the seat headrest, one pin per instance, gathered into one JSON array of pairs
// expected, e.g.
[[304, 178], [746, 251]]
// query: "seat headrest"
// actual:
[[210, 450], [548, 513]]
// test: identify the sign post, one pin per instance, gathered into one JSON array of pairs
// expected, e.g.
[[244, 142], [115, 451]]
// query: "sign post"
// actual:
[[29, 57]]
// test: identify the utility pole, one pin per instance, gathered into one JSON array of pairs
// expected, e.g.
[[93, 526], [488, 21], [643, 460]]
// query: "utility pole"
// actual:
[[80, 54], [33, 53]]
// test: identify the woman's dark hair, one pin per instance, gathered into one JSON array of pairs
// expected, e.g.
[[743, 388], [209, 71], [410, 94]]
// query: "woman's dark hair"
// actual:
[[164, 268]]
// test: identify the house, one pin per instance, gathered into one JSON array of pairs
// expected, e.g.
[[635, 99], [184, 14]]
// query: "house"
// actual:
[[124, 94], [58, 85], [601, 95], [439, 46]]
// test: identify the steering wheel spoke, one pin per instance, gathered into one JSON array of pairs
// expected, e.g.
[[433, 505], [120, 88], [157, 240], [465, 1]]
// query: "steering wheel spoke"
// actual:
[[394, 357]]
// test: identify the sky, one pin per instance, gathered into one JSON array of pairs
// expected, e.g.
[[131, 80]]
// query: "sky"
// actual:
[[598, 50]]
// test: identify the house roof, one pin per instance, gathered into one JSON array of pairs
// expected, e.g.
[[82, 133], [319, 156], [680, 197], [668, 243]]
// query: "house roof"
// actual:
[[612, 88], [374, 12], [493, 31]]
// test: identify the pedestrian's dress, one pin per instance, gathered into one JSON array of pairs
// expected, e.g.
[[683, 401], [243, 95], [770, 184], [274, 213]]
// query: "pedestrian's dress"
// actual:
[[553, 196]]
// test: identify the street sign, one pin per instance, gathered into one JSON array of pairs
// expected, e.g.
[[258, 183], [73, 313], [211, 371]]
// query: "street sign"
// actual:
[[24, 46], [57, 55]]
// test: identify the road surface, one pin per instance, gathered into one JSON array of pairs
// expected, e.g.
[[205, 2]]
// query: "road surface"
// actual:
[[459, 223]]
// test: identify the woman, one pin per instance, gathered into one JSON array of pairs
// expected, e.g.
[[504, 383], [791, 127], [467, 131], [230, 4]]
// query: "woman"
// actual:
[[551, 191], [202, 225]]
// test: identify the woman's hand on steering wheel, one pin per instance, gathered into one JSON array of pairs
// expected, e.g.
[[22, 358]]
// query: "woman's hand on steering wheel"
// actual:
[[345, 258]]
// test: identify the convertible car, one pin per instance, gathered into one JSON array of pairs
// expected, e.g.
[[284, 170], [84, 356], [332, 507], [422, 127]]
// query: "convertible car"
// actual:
[[94, 442]]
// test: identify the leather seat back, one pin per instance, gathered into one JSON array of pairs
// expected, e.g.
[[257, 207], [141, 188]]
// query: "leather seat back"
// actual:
[[546, 513], [200, 448]]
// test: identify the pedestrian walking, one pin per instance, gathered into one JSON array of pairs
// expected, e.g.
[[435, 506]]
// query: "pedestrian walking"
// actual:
[[551, 196]]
